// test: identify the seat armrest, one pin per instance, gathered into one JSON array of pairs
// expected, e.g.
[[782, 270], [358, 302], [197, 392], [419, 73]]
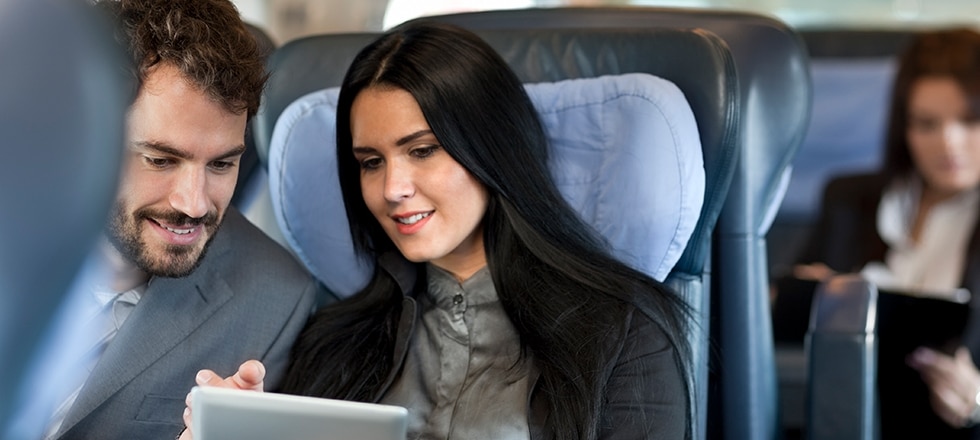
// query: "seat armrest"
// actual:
[[841, 352]]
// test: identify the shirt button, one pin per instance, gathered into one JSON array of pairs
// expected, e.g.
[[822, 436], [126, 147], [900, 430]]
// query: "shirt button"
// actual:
[[458, 299]]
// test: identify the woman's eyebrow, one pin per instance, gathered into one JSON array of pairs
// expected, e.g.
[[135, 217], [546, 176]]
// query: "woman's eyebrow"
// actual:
[[406, 139]]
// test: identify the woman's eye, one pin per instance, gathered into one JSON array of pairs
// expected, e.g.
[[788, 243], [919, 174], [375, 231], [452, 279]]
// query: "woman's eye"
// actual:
[[370, 163], [923, 125], [424, 152]]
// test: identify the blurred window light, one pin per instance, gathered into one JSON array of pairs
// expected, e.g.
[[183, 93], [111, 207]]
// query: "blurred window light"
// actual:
[[678, 3], [400, 11]]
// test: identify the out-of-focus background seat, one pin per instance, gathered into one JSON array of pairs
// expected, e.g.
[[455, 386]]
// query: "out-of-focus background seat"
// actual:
[[251, 195], [771, 64], [697, 61], [841, 355], [852, 72], [62, 103], [250, 186]]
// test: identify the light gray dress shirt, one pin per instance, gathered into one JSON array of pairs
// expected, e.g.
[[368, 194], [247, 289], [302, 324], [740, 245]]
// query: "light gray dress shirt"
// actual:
[[108, 311], [463, 377]]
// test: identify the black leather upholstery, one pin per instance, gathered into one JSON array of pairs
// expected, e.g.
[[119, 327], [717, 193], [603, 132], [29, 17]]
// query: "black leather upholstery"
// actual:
[[842, 358], [774, 85], [856, 43], [250, 160], [697, 61], [62, 104]]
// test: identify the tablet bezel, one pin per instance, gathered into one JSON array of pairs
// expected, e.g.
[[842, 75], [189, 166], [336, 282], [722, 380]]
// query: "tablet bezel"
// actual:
[[222, 413]]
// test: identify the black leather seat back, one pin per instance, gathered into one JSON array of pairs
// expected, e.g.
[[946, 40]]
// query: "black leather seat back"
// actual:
[[771, 63], [250, 164]]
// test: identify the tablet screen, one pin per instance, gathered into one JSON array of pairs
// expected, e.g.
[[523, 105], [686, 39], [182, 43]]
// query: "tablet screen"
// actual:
[[221, 414]]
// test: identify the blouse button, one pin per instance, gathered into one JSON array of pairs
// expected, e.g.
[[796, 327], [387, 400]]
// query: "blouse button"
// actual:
[[458, 299]]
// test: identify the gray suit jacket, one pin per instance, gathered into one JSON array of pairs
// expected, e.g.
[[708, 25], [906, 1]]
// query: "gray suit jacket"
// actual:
[[248, 299]]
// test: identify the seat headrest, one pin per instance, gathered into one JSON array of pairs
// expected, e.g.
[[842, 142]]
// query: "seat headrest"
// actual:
[[625, 154]]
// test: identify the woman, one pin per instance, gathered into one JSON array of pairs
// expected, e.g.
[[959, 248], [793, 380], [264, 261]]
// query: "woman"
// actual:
[[912, 226], [494, 311]]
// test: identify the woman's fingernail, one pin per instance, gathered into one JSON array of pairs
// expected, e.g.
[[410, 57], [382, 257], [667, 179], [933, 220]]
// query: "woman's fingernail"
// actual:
[[203, 376]]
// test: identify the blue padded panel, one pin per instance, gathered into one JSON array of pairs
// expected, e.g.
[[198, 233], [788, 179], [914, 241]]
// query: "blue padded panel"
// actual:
[[847, 127], [621, 144], [846, 135]]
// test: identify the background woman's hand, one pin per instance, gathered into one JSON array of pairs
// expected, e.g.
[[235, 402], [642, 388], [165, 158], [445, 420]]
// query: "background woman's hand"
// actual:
[[953, 383], [250, 376], [813, 271]]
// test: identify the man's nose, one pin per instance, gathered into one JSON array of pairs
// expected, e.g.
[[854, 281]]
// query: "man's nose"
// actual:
[[189, 194]]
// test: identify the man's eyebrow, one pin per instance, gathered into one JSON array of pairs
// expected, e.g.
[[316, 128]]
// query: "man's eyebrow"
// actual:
[[163, 148], [237, 151]]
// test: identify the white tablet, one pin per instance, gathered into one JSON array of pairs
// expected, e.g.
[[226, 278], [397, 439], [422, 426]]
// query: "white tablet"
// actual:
[[222, 414]]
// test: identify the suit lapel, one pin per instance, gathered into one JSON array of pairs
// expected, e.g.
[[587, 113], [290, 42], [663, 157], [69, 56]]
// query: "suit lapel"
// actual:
[[168, 313]]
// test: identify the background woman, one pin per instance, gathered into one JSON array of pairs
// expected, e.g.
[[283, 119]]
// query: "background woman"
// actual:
[[912, 226]]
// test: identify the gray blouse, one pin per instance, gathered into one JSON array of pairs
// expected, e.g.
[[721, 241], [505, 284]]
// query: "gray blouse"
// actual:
[[463, 377]]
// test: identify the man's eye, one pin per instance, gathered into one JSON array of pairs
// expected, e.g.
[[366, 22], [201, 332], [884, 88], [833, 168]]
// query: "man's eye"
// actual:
[[222, 165], [156, 162]]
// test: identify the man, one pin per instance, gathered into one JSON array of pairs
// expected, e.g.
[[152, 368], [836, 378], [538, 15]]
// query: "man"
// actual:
[[190, 282]]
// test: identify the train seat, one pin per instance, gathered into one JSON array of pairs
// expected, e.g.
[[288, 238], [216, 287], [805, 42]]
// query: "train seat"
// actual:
[[696, 61], [771, 65], [832, 376], [251, 195], [852, 72]]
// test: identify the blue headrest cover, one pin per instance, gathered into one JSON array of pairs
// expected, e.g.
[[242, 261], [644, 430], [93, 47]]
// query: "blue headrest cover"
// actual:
[[625, 154]]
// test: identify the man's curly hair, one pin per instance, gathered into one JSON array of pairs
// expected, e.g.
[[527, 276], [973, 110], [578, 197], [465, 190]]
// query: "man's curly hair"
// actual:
[[205, 39]]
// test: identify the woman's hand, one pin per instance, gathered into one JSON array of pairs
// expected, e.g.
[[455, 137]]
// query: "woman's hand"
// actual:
[[953, 383], [813, 271], [250, 376]]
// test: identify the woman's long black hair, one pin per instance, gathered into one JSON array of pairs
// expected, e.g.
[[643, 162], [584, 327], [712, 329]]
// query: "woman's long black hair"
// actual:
[[564, 293]]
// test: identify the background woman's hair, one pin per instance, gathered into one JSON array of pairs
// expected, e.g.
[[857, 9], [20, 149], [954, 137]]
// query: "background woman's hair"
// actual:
[[951, 53], [567, 297]]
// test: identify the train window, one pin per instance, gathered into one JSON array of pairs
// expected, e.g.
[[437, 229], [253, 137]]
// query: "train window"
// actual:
[[403, 10]]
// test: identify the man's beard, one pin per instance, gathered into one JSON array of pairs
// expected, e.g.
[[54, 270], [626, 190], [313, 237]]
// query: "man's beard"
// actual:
[[124, 231]]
